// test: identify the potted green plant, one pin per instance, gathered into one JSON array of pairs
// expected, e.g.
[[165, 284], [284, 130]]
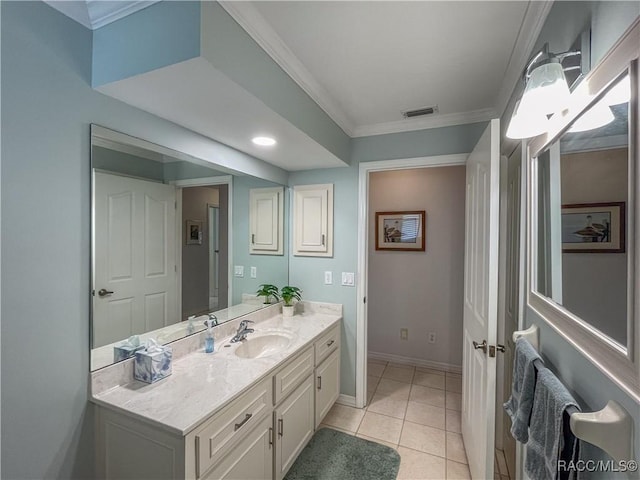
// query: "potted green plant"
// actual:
[[289, 294], [267, 291]]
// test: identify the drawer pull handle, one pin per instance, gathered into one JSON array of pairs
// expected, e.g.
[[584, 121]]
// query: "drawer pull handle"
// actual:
[[270, 437], [253, 238], [319, 382], [280, 427], [331, 343], [246, 419]]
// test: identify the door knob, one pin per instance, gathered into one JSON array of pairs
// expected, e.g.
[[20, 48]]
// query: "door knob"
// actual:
[[480, 346], [103, 292]]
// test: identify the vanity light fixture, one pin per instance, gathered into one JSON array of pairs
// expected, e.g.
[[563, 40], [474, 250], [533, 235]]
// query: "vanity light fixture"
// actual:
[[526, 126], [546, 92], [264, 141], [597, 116], [620, 93]]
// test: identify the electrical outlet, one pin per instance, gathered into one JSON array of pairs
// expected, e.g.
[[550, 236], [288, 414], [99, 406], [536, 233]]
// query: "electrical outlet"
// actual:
[[404, 334], [254, 272], [238, 271], [328, 278], [432, 337]]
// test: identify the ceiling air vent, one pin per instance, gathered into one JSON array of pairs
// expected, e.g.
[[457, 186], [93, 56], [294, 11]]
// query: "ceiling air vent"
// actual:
[[420, 112]]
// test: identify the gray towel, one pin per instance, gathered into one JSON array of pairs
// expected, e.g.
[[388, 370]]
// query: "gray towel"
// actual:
[[519, 405], [550, 437]]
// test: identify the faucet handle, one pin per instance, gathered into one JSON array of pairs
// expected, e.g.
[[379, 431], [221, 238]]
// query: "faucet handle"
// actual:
[[244, 323]]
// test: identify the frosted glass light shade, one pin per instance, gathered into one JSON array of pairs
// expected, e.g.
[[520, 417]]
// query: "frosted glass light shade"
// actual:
[[546, 91], [597, 116], [526, 125], [620, 93]]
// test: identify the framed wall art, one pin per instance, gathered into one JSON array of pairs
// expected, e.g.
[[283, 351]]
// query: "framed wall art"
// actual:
[[593, 228], [403, 231]]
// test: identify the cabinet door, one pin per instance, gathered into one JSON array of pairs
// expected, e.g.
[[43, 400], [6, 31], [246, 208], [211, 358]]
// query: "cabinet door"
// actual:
[[327, 385], [266, 212], [313, 220], [251, 459], [294, 426]]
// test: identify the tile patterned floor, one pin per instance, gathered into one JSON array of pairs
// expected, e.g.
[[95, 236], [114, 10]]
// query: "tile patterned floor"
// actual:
[[415, 411]]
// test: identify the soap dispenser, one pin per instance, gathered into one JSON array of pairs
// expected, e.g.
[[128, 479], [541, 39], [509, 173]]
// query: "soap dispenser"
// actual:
[[208, 339]]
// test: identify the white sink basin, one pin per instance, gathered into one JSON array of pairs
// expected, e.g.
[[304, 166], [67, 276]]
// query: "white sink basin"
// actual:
[[263, 345]]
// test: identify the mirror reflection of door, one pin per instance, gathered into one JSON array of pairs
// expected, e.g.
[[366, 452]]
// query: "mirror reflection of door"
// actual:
[[134, 257], [204, 264]]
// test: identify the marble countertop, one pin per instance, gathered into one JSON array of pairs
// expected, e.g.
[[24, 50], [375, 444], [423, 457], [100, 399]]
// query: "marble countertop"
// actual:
[[201, 384]]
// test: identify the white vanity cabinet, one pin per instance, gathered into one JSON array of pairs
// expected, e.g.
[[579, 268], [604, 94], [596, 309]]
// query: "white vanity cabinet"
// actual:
[[257, 435], [266, 221], [327, 373], [313, 220]]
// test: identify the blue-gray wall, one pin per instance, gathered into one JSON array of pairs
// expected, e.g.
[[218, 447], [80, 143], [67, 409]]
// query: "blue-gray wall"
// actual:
[[47, 108]]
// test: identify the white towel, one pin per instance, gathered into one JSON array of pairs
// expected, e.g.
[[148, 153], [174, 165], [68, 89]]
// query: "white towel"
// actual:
[[550, 437], [519, 405]]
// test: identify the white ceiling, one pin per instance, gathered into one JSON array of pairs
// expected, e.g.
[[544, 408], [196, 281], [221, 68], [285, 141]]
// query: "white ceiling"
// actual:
[[363, 62]]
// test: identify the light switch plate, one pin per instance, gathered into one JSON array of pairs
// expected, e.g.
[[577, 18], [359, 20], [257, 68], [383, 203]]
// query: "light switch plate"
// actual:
[[348, 279], [254, 272], [328, 278], [238, 271]]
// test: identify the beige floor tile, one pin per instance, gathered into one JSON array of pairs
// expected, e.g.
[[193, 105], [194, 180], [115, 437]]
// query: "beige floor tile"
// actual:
[[427, 379], [370, 394], [457, 471], [454, 384], [375, 369], [425, 439], [346, 418], [376, 440], [432, 396], [453, 421], [393, 388], [372, 382], [381, 427], [430, 370], [416, 465], [455, 448], [399, 373], [393, 407], [454, 401], [425, 414], [324, 425]]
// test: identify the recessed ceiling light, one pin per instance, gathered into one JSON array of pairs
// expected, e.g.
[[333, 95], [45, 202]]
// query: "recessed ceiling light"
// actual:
[[264, 141]]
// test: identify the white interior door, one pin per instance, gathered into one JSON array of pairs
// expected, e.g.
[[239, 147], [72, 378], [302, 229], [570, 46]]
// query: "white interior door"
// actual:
[[481, 302], [134, 271]]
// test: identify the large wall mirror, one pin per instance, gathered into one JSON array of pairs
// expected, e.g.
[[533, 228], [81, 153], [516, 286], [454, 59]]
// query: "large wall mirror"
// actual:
[[583, 237], [167, 231]]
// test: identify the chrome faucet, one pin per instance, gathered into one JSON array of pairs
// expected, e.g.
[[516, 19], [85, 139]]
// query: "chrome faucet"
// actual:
[[242, 332], [212, 319]]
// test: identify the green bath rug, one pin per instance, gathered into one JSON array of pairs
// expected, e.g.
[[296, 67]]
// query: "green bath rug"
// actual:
[[333, 455]]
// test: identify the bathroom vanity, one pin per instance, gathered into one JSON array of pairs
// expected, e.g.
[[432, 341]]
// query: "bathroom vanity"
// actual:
[[245, 411]]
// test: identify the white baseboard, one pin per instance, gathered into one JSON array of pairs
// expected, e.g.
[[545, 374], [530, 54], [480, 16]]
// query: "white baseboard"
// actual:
[[416, 362], [347, 400]]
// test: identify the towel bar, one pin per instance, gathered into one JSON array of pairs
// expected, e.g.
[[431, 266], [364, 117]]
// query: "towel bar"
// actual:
[[609, 428], [531, 334]]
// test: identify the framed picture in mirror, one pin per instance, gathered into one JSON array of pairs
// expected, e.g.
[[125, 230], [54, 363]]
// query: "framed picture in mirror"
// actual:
[[194, 232], [593, 228]]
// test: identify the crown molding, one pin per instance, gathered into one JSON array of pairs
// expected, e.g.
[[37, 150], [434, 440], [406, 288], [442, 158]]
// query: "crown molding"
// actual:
[[102, 13], [435, 121], [530, 28], [250, 19], [94, 14]]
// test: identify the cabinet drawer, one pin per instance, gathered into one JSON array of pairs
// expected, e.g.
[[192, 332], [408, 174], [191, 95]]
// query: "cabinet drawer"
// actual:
[[327, 344], [292, 374], [217, 435]]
